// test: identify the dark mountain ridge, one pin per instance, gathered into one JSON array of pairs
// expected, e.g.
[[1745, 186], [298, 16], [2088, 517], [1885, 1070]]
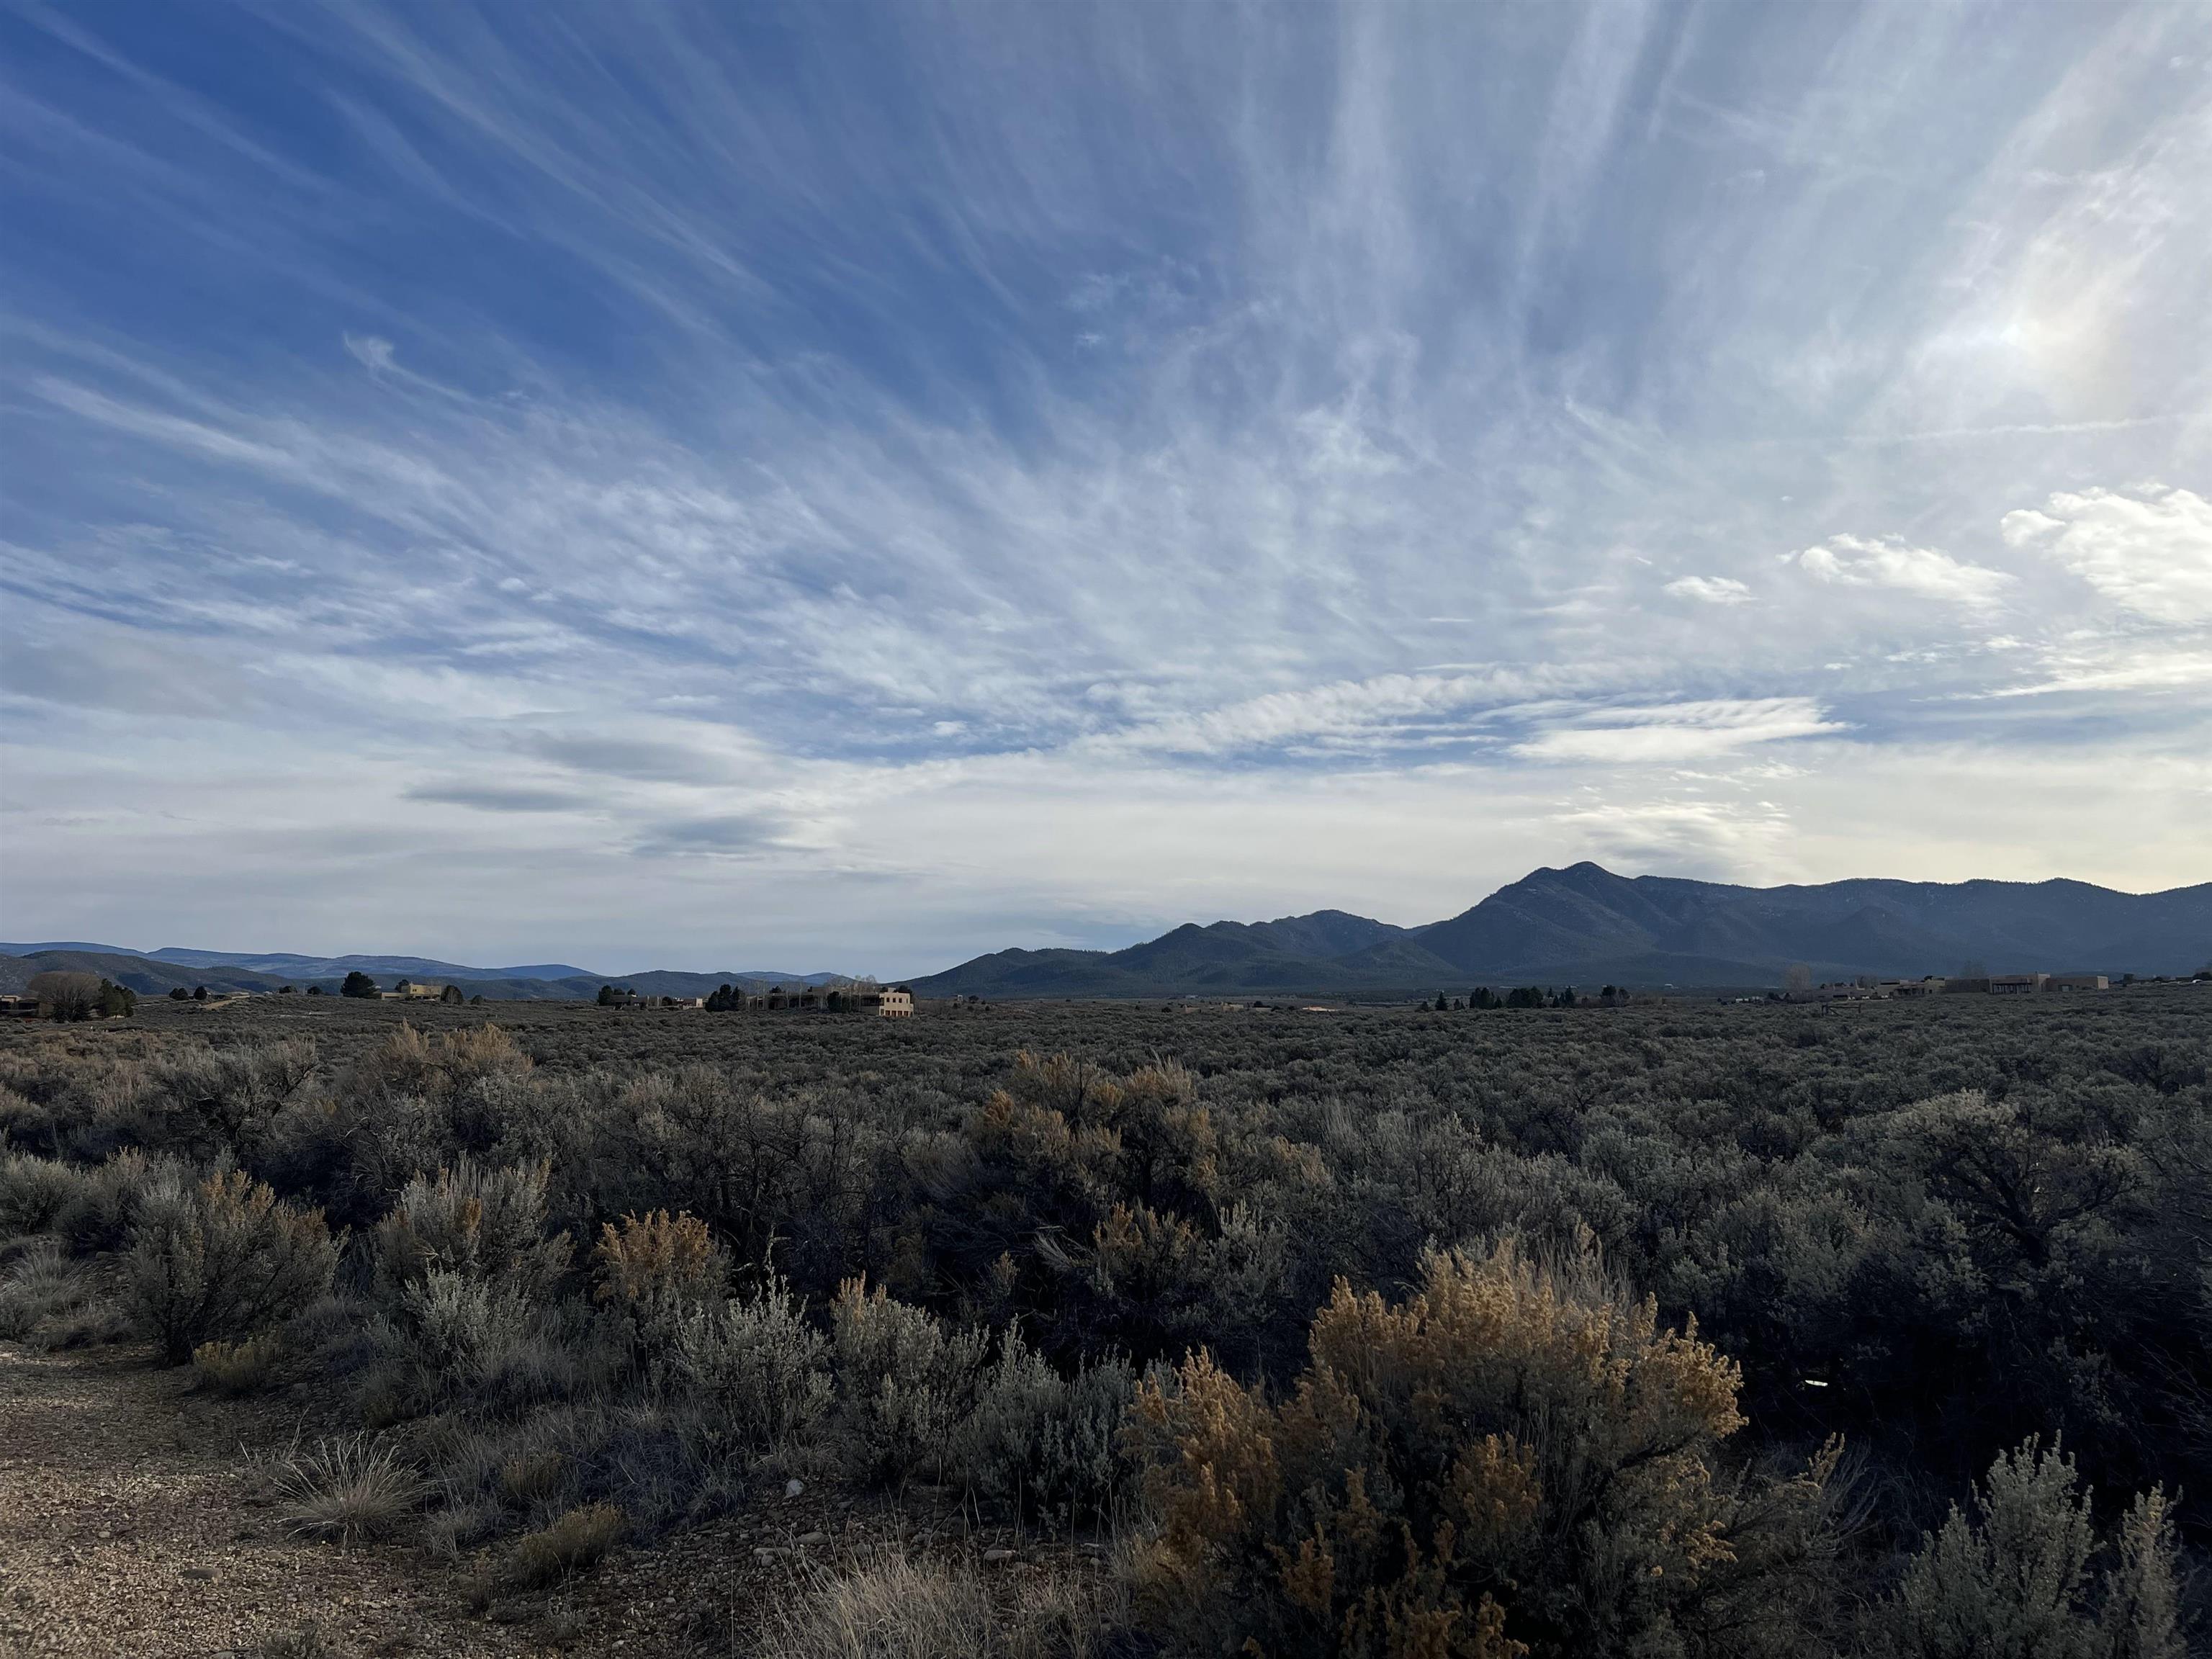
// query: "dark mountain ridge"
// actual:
[[1584, 924]]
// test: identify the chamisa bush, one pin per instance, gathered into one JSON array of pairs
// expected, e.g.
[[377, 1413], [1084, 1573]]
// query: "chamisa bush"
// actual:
[[1516, 1460]]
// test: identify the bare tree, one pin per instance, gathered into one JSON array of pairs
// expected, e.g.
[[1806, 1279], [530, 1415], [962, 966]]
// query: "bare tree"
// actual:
[[66, 995], [1797, 977]]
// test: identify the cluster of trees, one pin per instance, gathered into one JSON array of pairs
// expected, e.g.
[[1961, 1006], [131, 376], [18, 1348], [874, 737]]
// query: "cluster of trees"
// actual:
[[68, 996], [1695, 1330], [1530, 996]]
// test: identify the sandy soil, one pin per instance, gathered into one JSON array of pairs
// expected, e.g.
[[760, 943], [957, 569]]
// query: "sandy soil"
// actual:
[[132, 1527]]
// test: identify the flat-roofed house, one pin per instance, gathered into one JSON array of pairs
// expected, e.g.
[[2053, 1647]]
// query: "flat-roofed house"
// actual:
[[2080, 982], [2018, 984]]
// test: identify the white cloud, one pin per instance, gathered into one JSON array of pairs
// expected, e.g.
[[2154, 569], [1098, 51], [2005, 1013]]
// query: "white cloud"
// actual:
[[1672, 733], [1889, 561], [1709, 590], [2148, 549]]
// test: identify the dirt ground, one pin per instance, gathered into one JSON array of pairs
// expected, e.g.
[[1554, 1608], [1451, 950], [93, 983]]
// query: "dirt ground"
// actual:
[[132, 1527]]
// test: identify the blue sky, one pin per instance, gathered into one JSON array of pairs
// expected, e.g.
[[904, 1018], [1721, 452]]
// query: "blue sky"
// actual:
[[855, 487]]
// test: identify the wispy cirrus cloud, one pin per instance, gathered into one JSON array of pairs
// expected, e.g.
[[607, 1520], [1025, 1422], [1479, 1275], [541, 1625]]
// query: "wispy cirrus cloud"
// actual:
[[1675, 733], [686, 461]]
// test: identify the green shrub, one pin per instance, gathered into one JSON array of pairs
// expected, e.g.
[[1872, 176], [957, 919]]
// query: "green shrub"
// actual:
[[1034, 1441], [904, 1383], [474, 1223], [32, 1193], [102, 1214], [757, 1369], [2016, 1582], [1515, 1460], [224, 1260]]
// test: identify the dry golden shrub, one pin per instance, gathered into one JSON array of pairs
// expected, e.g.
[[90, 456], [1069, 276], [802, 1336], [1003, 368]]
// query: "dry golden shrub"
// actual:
[[578, 1541], [658, 1261], [1514, 1461]]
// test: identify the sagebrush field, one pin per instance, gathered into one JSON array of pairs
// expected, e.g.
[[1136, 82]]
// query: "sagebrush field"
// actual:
[[1673, 1328]]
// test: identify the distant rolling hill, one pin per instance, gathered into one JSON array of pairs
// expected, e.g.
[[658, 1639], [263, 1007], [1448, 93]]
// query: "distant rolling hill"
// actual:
[[1582, 926], [157, 972], [1586, 925]]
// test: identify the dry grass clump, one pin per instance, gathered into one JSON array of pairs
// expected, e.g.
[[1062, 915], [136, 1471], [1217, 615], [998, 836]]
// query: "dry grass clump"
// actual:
[[575, 1543], [900, 1608], [347, 1489], [36, 1285], [238, 1368]]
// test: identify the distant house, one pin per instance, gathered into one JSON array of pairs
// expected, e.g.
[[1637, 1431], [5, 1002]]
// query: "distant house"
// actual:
[[409, 990], [2080, 982], [896, 1003], [2013, 985], [19, 1007]]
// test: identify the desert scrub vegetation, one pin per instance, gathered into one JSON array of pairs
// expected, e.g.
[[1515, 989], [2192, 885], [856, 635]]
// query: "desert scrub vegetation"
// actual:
[[1516, 1460], [901, 1608], [560, 1259], [223, 1258], [574, 1542], [347, 1489]]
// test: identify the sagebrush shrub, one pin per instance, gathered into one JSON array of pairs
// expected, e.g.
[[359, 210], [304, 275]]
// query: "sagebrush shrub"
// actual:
[[461, 1332], [474, 1222], [34, 1286], [33, 1191], [652, 1272], [2016, 1580], [904, 1383], [103, 1212], [223, 1260], [1513, 1461], [1033, 1440], [756, 1368]]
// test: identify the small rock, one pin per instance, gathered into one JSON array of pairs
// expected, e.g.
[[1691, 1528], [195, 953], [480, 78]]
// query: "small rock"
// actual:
[[814, 1538], [197, 1575], [792, 1487], [997, 1555]]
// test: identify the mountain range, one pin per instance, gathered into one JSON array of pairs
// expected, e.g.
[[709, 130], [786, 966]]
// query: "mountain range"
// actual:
[[1586, 925], [1582, 926], [156, 972]]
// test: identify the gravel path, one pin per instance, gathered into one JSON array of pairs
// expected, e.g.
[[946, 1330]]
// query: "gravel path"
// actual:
[[129, 1530], [131, 1527]]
